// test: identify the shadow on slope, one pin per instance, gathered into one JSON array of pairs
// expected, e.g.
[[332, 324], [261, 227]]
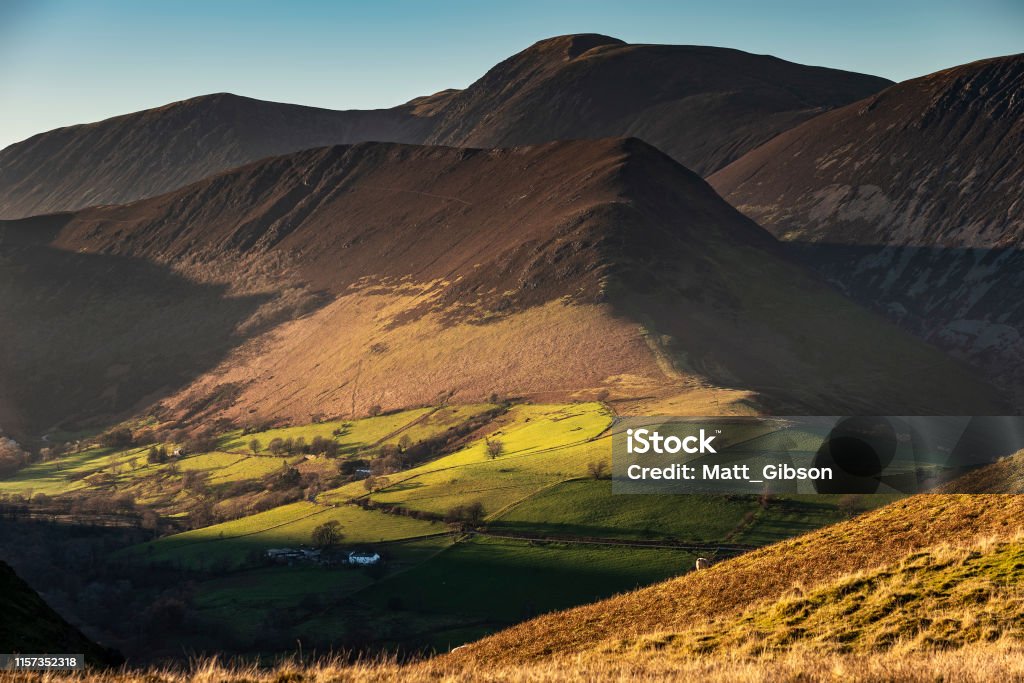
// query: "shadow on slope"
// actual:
[[88, 336], [963, 300]]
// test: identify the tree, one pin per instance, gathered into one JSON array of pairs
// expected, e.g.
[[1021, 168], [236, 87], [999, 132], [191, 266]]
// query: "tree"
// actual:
[[157, 455], [327, 534], [289, 478], [375, 410], [598, 469], [494, 448], [277, 446], [475, 514], [373, 484], [850, 505], [255, 446], [201, 442], [466, 515], [116, 438], [405, 442]]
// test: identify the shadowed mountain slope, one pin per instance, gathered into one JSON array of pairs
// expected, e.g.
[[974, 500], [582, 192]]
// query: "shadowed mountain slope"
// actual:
[[29, 626], [910, 202], [335, 279]]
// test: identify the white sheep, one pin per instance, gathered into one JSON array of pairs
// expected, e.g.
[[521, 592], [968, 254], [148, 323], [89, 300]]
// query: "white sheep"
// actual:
[[703, 563]]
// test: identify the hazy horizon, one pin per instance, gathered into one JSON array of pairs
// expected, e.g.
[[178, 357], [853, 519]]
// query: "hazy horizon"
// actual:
[[65, 63]]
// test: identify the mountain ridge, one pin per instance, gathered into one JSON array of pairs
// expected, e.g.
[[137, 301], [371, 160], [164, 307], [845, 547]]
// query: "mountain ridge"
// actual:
[[704, 106], [427, 271]]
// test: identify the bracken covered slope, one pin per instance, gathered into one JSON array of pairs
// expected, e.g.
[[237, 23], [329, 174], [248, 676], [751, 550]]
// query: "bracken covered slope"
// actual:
[[332, 280]]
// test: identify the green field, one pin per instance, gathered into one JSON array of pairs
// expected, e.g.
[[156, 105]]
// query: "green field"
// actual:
[[67, 473], [232, 544], [110, 472], [588, 508], [505, 580], [542, 445], [437, 588], [356, 435]]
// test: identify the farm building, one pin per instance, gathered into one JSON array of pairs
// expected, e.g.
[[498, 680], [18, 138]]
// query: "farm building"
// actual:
[[363, 558], [290, 555]]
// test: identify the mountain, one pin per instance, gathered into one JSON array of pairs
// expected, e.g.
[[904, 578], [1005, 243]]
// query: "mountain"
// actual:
[[332, 280], [150, 152], [29, 626], [704, 106], [909, 201], [934, 161]]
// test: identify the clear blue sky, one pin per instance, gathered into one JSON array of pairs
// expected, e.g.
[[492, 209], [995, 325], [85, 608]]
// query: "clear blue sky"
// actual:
[[71, 62]]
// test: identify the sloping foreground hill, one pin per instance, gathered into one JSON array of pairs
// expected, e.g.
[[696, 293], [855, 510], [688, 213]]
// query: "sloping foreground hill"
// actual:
[[924, 589], [704, 106], [910, 202], [816, 564], [333, 280], [29, 626]]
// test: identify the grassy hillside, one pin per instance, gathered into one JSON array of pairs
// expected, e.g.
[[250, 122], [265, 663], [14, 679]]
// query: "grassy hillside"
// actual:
[[866, 543], [948, 596], [232, 543], [551, 537]]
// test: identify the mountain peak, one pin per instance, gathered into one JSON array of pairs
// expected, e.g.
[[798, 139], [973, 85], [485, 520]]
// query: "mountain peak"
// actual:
[[573, 45]]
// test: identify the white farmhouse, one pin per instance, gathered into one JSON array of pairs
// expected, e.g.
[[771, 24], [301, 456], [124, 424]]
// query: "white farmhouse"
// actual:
[[363, 558]]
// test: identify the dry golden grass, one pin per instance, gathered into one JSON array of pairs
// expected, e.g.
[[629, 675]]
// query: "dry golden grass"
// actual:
[[950, 596], [865, 543], [998, 661]]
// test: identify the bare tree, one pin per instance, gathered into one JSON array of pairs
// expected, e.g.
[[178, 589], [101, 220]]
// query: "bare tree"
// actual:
[[598, 469], [327, 534]]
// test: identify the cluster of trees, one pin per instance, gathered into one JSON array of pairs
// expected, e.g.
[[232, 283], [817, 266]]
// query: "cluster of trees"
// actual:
[[157, 455], [12, 456], [318, 446], [118, 438], [469, 516]]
